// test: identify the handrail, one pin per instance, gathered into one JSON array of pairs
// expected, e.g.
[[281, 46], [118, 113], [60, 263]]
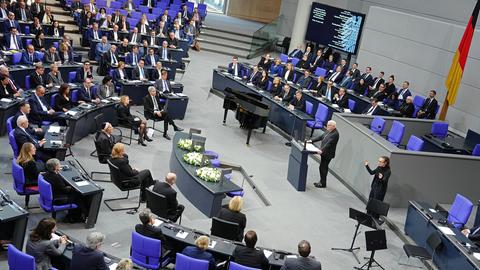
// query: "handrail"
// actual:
[[265, 37]]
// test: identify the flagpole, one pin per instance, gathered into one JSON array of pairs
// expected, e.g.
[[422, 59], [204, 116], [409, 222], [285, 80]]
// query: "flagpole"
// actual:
[[443, 112]]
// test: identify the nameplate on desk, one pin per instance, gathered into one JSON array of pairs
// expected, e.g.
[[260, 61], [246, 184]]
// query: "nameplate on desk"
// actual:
[[446, 230], [180, 95], [237, 78], [6, 100], [335, 106], [181, 235], [113, 266], [292, 256], [476, 256], [347, 111], [54, 129], [432, 210], [225, 73], [250, 84], [71, 113], [82, 183], [212, 244], [267, 253]]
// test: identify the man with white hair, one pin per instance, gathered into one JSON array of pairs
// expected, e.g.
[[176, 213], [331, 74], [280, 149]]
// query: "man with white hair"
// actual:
[[23, 135], [326, 151], [89, 256], [174, 209]]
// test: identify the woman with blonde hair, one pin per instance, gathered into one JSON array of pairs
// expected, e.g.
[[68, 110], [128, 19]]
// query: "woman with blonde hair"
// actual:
[[128, 175], [31, 168], [124, 264], [231, 212], [135, 123], [199, 251]]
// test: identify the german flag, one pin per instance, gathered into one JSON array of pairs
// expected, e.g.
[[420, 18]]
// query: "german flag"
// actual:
[[458, 64]]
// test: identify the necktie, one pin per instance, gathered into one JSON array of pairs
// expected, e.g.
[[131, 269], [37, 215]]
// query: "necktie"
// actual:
[[12, 85], [31, 58], [152, 60], [155, 104], [428, 103], [134, 38], [375, 84], [88, 92], [44, 108], [165, 86], [95, 34], [327, 94], [164, 53], [235, 71], [141, 74], [134, 59], [114, 59], [370, 110], [476, 231], [152, 41], [24, 16]]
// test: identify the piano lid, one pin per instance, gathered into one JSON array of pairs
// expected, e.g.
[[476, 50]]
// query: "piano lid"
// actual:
[[252, 98]]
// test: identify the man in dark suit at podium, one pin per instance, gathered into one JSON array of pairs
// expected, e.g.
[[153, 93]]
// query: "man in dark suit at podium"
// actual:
[[326, 150], [174, 209]]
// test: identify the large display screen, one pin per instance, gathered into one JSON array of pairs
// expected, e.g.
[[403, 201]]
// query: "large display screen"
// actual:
[[334, 27]]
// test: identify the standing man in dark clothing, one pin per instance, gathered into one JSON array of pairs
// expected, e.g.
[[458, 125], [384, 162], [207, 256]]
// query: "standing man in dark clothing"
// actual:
[[327, 151], [174, 209]]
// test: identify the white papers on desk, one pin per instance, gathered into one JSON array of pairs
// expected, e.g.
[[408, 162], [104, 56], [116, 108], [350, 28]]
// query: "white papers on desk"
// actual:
[[292, 256], [113, 266], [237, 78], [82, 183], [347, 111], [225, 73], [136, 119], [432, 210], [72, 85], [250, 84], [172, 82], [105, 101], [312, 148], [71, 113], [135, 81], [7, 100], [115, 98], [267, 253], [182, 235], [181, 94], [212, 244], [477, 256], [54, 129], [157, 223], [335, 106], [446, 230]]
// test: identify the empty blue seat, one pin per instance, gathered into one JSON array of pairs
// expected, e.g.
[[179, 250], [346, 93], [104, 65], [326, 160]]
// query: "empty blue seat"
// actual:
[[236, 266], [17, 260], [460, 211], [16, 58], [415, 144], [308, 107], [476, 150], [417, 104], [71, 76], [440, 130], [283, 58], [147, 252], [396, 133], [320, 72], [321, 118], [377, 125], [351, 104], [183, 262], [295, 61]]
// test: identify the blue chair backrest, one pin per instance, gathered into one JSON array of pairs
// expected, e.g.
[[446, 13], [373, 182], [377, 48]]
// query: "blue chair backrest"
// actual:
[[52, 99], [396, 133], [460, 211], [415, 143], [283, 58], [236, 266], [146, 251], [13, 143], [16, 58], [27, 81], [476, 150], [74, 95], [308, 107], [17, 260], [322, 114], [440, 129], [28, 41], [39, 55], [71, 76], [295, 61], [320, 72], [377, 125], [18, 177], [269, 87], [417, 104], [26, 31], [9, 124], [184, 262], [351, 104], [46, 197]]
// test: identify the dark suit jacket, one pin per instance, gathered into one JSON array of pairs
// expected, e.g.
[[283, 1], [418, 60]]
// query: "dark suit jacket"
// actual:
[[149, 107], [84, 94], [21, 137], [298, 104], [406, 94], [7, 38], [136, 73], [54, 79], [36, 112], [59, 188], [80, 77], [129, 58], [262, 84], [139, 25], [36, 79], [38, 44], [6, 91], [376, 111], [30, 171], [197, 253], [236, 217], [239, 69], [250, 257], [148, 60], [107, 57], [380, 81], [356, 75], [105, 145], [125, 171], [328, 144], [116, 75], [26, 58], [60, 103], [265, 65], [474, 237], [91, 35], [87, 258], [286, 97], [407, 109], [343, 102], [296, 53], [160, 87], [333, 91], [429, 108], [124, 115], [152, 2], [290, 75], [170, 194], [380, 96], [155, 75], [18, 14], [368, 78], [7, 25], [301, 263], [304, 82]]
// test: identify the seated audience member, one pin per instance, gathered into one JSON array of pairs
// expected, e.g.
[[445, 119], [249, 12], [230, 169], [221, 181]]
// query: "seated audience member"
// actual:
[[102, 47], [125, 264], [276, 86], [114, 34], [143, 50], [129, 175], [147, 229], [367, 76], [174, 209], [88, 21], [391, 100], [109, 59], [55, 31], [89, 256], [124, 47], [407, 108], [84, 72], [472, 234], [153, 109], [41, 110], [328, 91], [336, 76], [235, 68], [298, 102], [6, 90], [232, 212], [341, 98], [380, 95], [164, 52], [297, 53], [126, 118], [39, 42], [54, 77], [13, 41], [329, 64], [199, 251], [376, 82], [355, 73], [36, 27], [172, 40], [119, 74], [106, 141], [24, 109], [29, 57], [143, 27], [276, 67], [373, 109], [404, 92], [390, 86], [124, 25], [62, 101], [317, 85], [36, 77], [31, 168], [85, 92], [361, 87], [157, 72], [22, 12], [262, 82], [265, 62], [248, 255], [46, 16], [135, 36], [106, 90], [346, 80], [286, 95], [41, 246], [51, 56], [304, 261], [317, 61], [303, 63], [152, 39], [305, 80], [288, 74], [151, 59], [93, 33], [163, 84], [429, 106], [139, 73]]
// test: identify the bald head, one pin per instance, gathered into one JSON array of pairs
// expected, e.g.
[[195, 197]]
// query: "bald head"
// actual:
[[22, 121], [171, 178], [331, 125]]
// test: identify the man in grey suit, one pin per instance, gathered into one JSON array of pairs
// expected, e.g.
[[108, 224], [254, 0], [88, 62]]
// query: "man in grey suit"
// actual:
[[163, 84], [327, 150], [52, 57], [303, 262]]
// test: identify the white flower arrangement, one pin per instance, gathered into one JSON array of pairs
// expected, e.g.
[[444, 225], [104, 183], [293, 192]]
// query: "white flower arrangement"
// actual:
[[209, 174], [194, 158], [186, 144]]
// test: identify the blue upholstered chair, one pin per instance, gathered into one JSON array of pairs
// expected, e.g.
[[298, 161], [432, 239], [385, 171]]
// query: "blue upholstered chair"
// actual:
[[19, 182], [236, 266], [147, 252], [320, 72], [417, 104], [351, 104], [46, 198], [476, 150], [74, 95], [10, 124], [13, 143], [396, 133], [17, 260], [27, 81], [183, 262], [269, 87], [283, 58], [71, 76], [460, 211], [52, 99], [377, 125], [320, 118], [295, 61], [16, 58], [440, 130], [414, 143], [308, 107]]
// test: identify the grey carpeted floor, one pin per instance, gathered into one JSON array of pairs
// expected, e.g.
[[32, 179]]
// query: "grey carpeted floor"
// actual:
[[318, 215]]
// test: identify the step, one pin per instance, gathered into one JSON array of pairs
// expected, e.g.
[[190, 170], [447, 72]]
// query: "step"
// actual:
[[223, 50], [227, 43], [226, 35]]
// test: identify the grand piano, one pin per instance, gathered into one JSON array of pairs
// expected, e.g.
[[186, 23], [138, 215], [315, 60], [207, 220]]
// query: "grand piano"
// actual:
[[249, 109]]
